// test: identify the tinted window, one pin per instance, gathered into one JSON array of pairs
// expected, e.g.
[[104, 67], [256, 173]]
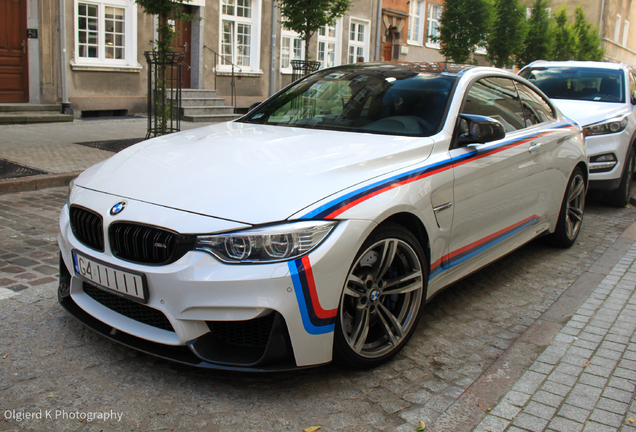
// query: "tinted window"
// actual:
[[601, 85], [496, 98], [535, 109], [375, 100]]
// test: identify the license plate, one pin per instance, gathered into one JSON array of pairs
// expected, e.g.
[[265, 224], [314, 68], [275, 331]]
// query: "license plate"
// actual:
[[111, 278]]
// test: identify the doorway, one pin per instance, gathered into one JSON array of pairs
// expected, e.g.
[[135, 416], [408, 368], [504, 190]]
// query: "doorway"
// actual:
[[182, 42], [14, 70]]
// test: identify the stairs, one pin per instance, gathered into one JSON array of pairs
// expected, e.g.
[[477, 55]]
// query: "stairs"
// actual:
[[26, 113], [204, 106]]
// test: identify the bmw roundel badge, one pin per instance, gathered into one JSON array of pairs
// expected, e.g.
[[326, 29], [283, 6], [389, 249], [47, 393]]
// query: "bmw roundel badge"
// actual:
[[118, 208]]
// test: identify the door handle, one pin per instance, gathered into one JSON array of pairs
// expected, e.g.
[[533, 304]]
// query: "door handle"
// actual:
[[23, 46], [185, 46], [534, 147]]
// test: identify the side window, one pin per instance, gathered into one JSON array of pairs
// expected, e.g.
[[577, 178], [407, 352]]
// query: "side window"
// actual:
[[535, 109], [496, 98], [632, 84]]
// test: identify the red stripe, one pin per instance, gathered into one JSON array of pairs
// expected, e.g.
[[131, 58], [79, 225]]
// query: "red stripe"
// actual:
[[484, 240], [318, 310]]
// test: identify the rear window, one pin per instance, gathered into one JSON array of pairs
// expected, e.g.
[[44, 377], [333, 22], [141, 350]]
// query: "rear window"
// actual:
[[383, 101], [591, 84]]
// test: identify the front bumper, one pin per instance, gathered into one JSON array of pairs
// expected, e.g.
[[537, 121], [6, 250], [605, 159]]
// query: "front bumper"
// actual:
[[607, 179], [205, 313]]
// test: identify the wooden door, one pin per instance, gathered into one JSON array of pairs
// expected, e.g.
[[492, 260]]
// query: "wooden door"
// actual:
[[14, 73], [182, 42], [388, 51]]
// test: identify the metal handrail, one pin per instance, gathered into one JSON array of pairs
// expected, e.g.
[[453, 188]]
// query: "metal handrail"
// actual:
[[232, 83]]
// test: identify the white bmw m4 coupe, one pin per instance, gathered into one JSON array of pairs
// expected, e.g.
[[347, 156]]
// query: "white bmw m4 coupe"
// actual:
[[315, 228]]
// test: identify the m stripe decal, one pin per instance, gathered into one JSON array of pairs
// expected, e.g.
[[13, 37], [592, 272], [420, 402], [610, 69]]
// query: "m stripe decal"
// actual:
[[316, 320], [460, 255]]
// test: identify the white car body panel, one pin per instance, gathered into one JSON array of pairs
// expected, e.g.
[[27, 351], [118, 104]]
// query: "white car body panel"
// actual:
[[160, 171]]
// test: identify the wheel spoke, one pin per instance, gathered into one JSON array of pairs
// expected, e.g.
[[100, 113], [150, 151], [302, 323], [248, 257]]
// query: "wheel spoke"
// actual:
[[388, 254], [361, 330], [352, 293], [391, 327], [576, 214], [415, 277], [356, 280], [576, 190]]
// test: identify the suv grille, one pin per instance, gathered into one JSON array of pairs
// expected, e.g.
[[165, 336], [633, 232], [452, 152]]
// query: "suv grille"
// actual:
[[87, 227], [128, 308], [147, 245]]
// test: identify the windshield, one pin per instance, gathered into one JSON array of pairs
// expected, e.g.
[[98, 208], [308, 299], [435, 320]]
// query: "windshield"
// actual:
[[578, 83], [384, 100]]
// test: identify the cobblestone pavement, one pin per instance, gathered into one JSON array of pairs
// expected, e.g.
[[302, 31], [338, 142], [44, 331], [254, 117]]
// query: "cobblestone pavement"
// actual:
[[585, 380], [51, 366]]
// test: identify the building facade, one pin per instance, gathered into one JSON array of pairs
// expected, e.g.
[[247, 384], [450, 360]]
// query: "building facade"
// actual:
[[89, 54]]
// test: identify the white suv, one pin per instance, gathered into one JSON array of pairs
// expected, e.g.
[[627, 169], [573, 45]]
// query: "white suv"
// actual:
[[600, 97]]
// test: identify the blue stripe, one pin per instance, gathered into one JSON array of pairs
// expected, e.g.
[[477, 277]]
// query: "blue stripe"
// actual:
[[302, 305]]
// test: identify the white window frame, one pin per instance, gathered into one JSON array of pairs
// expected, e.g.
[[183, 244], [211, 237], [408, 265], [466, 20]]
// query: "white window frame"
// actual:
[[432, 30], [357, 44], [617, 28], [130, 35], [255, 39], [415, 30], [327, 39], [292, 36], [625, 32]]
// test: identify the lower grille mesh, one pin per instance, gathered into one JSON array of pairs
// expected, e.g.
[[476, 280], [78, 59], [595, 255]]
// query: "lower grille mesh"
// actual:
[[252, 333], [128, 308]]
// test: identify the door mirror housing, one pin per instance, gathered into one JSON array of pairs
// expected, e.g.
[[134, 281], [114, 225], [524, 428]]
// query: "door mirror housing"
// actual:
[[476, 129]]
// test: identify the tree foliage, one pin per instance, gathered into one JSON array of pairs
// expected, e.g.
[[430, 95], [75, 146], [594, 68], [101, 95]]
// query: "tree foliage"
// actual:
[[538, 41], [305, 17], [464, 26], [589, 42], [565, 41], [507, 33]]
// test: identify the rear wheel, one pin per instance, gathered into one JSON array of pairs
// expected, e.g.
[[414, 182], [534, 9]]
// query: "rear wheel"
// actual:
[[382, 298], [571, 214]]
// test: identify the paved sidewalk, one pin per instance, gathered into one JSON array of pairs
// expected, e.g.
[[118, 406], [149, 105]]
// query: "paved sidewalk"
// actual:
[[54, 149], [585, 380]]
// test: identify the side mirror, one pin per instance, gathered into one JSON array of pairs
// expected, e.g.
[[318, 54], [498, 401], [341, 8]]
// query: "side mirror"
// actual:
[[476, 129]]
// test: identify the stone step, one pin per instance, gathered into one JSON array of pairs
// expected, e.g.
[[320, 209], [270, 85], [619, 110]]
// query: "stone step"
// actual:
[[210, 118], [29, 117], [204, 110], [197, 93], [27, 107], [202, 102]]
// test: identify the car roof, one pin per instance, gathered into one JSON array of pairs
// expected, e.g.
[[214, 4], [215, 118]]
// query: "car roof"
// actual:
[[577, 63]]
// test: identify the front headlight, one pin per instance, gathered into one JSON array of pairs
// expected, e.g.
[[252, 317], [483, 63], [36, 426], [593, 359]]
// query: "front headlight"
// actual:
[[614, 125], [267, 244]]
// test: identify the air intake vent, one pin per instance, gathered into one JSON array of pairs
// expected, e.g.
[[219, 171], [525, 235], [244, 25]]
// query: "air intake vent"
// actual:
[[87, 227], [129, 308], [147, 245], [251, 333]]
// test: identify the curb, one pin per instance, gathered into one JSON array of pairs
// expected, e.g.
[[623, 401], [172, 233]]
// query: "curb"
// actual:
[[31, 183]]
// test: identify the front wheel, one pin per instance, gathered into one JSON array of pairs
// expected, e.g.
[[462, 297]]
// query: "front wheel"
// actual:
[[382, 298], [571, 214]]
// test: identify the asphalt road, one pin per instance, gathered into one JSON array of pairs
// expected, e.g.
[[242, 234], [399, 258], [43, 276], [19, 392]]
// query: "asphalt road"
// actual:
[[53, 367]]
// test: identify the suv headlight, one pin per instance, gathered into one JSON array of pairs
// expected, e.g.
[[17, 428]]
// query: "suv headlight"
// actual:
[[613, 125], [267, 244]]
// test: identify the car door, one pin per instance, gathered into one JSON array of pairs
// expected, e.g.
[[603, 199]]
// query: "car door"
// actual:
[[498, 184]]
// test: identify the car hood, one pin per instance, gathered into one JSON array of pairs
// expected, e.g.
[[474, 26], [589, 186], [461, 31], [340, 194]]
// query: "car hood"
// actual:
[[250, 173], [589, 112]]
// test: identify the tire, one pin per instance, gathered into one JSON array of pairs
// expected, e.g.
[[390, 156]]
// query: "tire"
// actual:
[[571, 213], [620, 197], [382, 298]]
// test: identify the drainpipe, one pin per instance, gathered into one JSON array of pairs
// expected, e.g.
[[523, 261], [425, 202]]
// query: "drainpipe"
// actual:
[[378, 27], [66, 106], [272, 55], [600, 18]]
